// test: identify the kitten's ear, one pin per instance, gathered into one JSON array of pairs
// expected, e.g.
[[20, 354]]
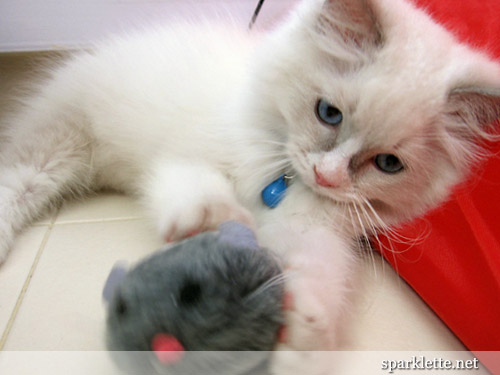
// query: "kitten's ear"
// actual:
[[477, 108], [471, 114], [354, 21]]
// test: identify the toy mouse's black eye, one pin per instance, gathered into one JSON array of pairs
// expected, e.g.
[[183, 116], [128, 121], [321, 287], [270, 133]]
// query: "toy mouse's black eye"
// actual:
[[190, 293], [121, 307]]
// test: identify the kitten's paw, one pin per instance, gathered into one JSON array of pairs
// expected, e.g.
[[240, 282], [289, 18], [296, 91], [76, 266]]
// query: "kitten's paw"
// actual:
[[205, 214], [289, 362], [303, 340], [306, 325], [306, 318]]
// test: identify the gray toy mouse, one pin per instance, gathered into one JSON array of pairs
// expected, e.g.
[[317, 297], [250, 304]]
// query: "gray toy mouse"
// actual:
[[209, 304]]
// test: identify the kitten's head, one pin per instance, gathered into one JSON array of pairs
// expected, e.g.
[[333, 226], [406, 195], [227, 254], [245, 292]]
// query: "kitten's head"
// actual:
[[378, 102]]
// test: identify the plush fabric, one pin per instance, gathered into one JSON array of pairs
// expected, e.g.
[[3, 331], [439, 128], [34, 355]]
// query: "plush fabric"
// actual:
[[456, 267]]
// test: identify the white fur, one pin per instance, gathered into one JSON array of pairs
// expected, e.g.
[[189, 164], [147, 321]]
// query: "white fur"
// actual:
[[196, 118]]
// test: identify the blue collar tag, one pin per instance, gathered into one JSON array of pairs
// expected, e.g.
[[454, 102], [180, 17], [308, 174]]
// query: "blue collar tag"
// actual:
[[274, 193]]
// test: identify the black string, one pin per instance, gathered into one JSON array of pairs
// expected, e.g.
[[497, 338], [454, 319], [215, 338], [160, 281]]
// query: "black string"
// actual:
[[255, 14]]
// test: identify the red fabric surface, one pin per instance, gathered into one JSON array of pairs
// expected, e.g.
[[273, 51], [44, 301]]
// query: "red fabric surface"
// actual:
[[456, 268], [476, 22]]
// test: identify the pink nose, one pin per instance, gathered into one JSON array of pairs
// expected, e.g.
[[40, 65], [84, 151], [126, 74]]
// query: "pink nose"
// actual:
[[321, 180]]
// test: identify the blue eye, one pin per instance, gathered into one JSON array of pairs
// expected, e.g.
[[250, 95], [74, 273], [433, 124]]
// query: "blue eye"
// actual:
[[388, 163], [327, 113]]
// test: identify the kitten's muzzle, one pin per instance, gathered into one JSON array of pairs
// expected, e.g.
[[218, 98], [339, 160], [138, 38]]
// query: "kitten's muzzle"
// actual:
[[322, 181]]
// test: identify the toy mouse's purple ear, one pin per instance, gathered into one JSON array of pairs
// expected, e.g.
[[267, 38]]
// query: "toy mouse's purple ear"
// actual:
[[237, 234], [114, 279]]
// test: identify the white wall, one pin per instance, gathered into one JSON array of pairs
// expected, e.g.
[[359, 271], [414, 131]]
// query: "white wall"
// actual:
[[27, 25]]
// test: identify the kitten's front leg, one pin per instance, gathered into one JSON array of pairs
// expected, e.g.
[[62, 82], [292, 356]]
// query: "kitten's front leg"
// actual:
[[186, 197], [319, 264], [319, 269]]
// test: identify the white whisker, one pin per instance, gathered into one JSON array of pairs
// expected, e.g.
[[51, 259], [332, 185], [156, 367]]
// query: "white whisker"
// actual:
[[273, 281]]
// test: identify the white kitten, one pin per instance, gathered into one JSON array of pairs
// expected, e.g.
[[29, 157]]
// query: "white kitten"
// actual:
[[371, 106]]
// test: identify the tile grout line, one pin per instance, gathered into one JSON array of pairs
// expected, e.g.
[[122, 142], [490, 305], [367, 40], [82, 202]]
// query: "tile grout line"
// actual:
[[26, 284], [103, 220], [53, 222], [93, 221]]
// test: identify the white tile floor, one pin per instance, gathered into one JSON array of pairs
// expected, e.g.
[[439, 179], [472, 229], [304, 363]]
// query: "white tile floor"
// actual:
[[50, 286], [55, 273]]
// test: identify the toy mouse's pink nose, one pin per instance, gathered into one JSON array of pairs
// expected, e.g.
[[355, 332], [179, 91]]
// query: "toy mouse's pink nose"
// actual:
[[167, 348]]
